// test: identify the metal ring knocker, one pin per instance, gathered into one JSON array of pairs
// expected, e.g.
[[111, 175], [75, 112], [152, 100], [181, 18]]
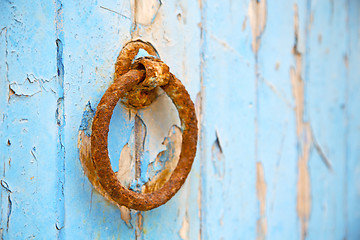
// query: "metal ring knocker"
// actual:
[[134, 82]]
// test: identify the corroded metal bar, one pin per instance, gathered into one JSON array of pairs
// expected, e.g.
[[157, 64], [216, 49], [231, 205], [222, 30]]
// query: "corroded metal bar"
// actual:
[[99, 142]]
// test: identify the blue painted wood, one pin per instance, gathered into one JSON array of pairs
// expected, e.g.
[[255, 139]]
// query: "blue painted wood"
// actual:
[[276, 92], [29, 131], [327, 37]]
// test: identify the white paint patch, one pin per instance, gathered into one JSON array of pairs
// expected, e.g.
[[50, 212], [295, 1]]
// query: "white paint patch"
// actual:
[[126, 216], [145, 11], [257, 17], [32, 86], [126, 172], [184, 231]]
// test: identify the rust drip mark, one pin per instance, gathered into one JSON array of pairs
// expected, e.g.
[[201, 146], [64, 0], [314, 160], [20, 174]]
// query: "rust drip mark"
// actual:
[[304, 136], [184, 230], [261, 226], [257, 16]]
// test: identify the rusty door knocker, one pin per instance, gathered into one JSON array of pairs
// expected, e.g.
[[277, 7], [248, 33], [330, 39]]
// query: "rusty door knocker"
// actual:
[[134, 83]]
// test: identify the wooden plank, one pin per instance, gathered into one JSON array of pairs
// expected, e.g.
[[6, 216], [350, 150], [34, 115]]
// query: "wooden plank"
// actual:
[[29, 93], [352, 61], [89, 58], [176, 35], [229, 205], [326, 92], [276, 89], [276, 126], [92, 39]]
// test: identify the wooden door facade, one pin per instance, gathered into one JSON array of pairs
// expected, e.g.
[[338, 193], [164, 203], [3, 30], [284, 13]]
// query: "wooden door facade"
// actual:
[[276, 89]]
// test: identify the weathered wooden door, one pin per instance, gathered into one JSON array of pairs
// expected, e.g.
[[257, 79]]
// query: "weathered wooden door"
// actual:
[[276, 88]]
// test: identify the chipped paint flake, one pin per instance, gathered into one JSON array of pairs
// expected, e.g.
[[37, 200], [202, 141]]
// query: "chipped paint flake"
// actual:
[[165, 161], [261, 227], [31, 86], [257, 16], [304, 135], [145, 11], [126, 172], [125, 214], [303, 185], [184, 231]]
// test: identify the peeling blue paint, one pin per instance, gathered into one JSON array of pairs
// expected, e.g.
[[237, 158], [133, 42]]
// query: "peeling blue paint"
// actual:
[[86, 121], [45, 83]]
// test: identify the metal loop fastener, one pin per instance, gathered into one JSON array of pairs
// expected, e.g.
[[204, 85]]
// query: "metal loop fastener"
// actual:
[[141, 96], [145, 72]]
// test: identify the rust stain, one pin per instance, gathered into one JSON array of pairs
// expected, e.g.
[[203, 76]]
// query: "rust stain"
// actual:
[[304, 136], [257, 16], [261, 226]]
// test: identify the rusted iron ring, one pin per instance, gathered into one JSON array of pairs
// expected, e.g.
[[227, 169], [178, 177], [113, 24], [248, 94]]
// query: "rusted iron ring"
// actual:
[[126, 81]]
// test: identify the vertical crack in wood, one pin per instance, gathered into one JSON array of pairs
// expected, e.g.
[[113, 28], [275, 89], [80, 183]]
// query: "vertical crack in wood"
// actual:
[[139, 144], [140, 134], [60, 120]]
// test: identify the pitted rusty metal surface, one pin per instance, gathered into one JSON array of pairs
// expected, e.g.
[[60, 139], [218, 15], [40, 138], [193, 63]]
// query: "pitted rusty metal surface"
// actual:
[[144, 74], [143, 95]]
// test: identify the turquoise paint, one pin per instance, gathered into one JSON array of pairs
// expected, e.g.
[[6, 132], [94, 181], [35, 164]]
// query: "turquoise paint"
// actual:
[[58, 59]]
